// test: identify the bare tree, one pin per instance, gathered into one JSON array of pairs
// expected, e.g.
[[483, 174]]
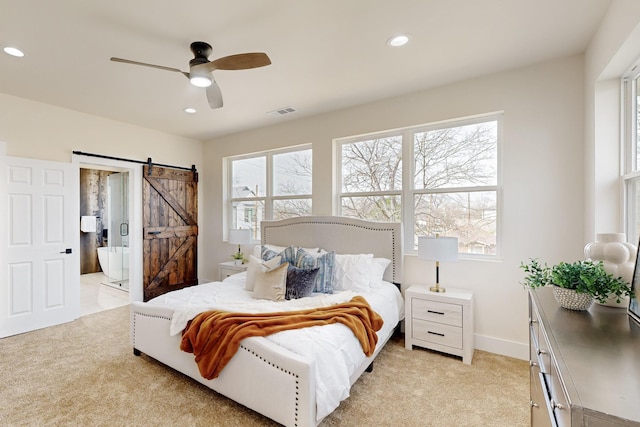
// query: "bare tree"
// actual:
[[456, 156], [372, 166], [448, 163]]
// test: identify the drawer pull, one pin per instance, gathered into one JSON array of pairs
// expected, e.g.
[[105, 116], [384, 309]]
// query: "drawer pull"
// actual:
[[541, 351], [436, 312], [435, 333], [532, 363]]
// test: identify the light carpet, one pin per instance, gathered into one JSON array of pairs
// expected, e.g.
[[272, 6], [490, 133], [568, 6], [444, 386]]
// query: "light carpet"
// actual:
[[84, 373]]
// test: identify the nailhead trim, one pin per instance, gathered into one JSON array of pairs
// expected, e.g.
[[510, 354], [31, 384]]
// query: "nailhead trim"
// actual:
[[296, 376], [382, 228], [135, 316]]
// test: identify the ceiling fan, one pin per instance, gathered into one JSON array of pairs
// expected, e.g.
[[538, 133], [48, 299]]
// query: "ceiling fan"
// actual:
[[201, 69]]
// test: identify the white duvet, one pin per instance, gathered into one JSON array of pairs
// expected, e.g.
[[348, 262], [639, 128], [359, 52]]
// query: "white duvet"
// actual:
[[335, 349]]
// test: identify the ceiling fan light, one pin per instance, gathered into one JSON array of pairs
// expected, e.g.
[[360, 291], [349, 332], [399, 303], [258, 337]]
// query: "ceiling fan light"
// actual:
[[200, 81]]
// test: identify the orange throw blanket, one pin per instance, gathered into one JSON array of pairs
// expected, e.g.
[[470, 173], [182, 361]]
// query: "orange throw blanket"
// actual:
[[214, 336]]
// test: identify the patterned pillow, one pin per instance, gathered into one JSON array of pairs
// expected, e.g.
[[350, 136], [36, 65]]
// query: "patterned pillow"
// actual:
[[300, 282], [288, 254], [325, 264]]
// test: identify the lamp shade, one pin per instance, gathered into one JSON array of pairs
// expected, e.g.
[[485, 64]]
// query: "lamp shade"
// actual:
[[438, 248], [239, 236]]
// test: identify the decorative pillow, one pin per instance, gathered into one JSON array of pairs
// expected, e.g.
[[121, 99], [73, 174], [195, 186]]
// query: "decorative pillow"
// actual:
[[271, 284], [257, 250], [300, 282], [352, 271], [255, 265], [288, 254], [325, 263], [378, 267]]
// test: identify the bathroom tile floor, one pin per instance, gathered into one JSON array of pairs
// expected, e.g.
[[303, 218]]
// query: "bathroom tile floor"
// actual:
[[95, 297]]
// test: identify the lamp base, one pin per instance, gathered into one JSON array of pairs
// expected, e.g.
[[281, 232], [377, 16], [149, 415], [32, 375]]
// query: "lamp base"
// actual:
[[437, 288]]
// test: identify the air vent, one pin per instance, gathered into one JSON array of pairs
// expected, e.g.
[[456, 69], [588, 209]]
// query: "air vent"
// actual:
[[282, 111]]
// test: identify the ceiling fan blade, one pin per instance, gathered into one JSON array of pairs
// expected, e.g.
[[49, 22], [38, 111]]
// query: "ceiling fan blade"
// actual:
[[214, 95], [241, 61], [144, 64]]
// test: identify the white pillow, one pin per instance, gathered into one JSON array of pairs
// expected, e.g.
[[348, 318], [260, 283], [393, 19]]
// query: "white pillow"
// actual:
[[272, 284], [378, 267], [352, 271], [256, 265]]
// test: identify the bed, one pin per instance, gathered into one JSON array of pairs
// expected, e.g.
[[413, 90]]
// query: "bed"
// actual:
[[280, 380]]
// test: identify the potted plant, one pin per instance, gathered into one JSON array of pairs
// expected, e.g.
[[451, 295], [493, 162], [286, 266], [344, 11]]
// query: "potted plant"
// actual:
[[577, 284], [238, 258]]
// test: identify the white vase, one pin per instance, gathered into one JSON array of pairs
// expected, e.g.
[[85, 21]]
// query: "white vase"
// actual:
[[618, 258]]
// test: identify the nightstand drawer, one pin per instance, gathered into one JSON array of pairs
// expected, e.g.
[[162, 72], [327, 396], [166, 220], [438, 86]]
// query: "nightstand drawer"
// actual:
[[437, 333], [229, 268], [226, 272], [440, 312]]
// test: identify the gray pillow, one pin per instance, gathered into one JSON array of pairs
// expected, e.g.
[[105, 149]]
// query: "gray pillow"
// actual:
[[300, 282]]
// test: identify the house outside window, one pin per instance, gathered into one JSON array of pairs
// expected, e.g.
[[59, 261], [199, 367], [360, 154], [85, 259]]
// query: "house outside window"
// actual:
[[441, 178], [268, 185]]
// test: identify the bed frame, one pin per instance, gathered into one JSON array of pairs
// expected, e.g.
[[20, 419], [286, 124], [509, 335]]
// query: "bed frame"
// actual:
[[262, 376]]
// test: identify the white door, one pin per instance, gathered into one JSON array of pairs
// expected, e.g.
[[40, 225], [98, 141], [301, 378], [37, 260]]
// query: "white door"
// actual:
[[41, 284]]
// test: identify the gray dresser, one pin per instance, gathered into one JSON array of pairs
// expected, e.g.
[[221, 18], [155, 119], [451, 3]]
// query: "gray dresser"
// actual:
[[585, 365]]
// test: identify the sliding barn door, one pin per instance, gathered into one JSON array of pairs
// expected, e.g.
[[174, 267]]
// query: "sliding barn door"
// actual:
[[170, 224]]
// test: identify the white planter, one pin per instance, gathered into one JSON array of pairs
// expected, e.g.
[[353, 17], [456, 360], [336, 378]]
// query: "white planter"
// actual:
[[572, 300]]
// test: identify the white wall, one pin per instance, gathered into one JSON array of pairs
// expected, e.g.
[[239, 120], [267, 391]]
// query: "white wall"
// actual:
[[542, 179], [35, 130], [612, 51]]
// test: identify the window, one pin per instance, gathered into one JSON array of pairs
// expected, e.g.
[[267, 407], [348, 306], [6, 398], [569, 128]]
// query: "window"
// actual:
[[436, 179], [630, 132], [269, 185]]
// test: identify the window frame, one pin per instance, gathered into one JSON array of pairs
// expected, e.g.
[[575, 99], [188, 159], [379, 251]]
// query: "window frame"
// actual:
[[630, 176], [269, 197], [408, 192]]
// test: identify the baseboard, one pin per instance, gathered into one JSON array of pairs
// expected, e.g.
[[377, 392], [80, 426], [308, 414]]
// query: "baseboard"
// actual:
[[503, 347]]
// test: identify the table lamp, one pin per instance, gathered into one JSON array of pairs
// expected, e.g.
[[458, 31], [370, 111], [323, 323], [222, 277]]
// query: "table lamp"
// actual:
[[239, 237], [436, 248]]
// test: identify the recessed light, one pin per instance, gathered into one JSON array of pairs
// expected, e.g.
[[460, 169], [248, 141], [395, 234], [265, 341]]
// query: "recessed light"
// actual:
[[190, 110], [399, 40], [13, 51]]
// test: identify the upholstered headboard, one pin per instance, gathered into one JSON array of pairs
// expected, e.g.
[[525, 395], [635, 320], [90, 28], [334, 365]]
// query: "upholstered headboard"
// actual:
[[342, 235]]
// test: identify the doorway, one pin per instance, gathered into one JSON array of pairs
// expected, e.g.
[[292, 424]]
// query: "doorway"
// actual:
[[118, 281], [104, 240]]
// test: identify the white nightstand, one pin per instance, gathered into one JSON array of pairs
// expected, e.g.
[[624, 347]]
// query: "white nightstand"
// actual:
[[440, 321], [229, 267]]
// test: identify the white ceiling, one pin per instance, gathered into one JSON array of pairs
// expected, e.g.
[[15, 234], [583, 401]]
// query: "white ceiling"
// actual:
[[326, 54]]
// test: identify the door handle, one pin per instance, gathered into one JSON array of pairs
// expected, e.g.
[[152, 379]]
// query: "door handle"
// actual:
[[66, 251]]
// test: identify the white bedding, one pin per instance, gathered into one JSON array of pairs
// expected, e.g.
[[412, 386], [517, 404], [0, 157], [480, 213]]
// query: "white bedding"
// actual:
[[336, 351]]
